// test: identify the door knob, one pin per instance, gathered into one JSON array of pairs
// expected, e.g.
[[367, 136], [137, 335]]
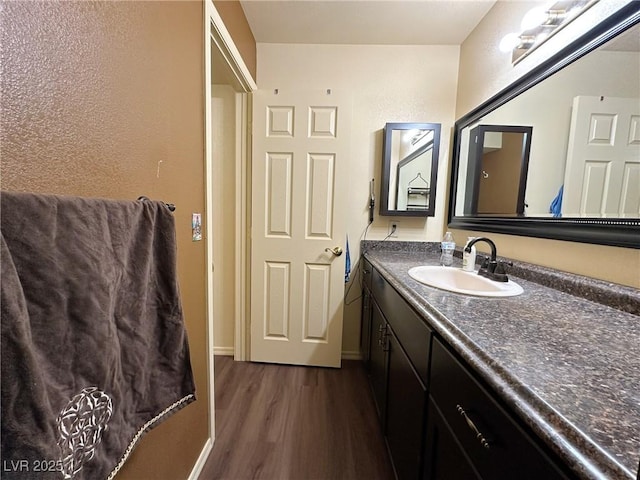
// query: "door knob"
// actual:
[[337, 251]]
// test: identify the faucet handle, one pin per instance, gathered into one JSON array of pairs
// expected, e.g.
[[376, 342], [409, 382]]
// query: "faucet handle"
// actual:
[[485, 267], [500, 267], [500, 273]]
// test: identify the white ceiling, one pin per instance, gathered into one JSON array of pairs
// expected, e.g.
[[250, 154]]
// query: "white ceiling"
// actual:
[[364, 22]]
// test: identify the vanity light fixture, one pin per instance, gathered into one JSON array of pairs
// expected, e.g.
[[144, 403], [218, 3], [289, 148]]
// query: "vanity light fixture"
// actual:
[[540, 23]]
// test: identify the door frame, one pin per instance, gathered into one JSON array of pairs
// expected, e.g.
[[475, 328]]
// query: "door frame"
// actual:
[[217, 34]]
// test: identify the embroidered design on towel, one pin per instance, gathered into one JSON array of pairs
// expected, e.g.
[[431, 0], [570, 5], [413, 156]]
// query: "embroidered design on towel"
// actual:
[[80, 427]]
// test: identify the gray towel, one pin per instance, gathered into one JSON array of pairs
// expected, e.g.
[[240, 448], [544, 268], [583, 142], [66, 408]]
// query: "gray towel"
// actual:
[[94, 349]]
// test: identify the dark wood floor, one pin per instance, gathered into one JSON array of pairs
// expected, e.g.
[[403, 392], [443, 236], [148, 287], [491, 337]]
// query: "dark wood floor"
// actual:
[[281, 422]]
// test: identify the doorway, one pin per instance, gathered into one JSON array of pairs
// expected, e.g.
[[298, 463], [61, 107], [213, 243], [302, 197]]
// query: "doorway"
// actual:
[[227, 87], [497, 170]]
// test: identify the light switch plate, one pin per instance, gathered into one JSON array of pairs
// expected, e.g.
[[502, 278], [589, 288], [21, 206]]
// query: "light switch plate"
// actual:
[[196, 227]]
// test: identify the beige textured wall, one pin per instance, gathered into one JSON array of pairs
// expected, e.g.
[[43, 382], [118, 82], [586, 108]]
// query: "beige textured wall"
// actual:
[[484, 71], [94, 96], [387, 84]]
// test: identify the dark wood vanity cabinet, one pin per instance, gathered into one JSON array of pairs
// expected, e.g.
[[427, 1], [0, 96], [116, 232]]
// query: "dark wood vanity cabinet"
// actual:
[[440, 422], [365, 330], [373, 343], [398, 353]]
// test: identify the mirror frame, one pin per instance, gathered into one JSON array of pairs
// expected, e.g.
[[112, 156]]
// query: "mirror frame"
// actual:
[[386, 167], [621, 232]]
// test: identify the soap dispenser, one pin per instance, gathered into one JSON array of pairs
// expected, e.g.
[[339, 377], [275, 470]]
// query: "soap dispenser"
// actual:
[[469, 258]]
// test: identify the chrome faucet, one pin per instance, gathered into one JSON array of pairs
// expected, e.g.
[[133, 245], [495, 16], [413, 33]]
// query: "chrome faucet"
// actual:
[[490, 268]]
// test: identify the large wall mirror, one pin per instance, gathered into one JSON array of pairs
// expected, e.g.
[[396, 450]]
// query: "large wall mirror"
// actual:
[[576, 163], [409, 169]]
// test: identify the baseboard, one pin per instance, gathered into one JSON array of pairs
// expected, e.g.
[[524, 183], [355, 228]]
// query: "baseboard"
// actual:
[[354, 355], [202, 459], [226, 351], [229, 351]]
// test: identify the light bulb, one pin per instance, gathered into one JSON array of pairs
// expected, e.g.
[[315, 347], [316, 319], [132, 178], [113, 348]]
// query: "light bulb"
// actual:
[[509, 42], [534, 17]]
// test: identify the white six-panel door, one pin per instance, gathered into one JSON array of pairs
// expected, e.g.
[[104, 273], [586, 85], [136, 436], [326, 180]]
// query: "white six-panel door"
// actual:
[[602, 176], [300, 149]]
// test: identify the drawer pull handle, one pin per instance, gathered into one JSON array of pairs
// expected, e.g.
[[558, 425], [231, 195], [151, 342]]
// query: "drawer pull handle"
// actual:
[[472, 426]]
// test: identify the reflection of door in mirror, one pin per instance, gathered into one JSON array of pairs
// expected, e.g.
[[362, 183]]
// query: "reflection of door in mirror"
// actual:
[[497, 170], [602, 175], [499, 179]]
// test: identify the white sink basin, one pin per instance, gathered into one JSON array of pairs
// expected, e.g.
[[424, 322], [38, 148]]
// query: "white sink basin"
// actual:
[[459, 281]]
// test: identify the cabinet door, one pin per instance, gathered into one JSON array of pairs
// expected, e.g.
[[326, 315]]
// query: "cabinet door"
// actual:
[[378, 361], [405, 413], [443, 457], [409, 328], [365, 327]]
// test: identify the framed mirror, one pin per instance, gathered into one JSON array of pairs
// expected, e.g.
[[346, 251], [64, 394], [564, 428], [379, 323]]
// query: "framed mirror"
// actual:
[[409, 169], [579, 174]]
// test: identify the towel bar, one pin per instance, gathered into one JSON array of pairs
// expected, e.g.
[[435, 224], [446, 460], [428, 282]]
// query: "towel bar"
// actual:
[[170, 206]]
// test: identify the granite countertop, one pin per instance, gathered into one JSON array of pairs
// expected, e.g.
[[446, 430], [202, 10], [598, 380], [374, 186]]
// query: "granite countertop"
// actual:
[[568, 366]]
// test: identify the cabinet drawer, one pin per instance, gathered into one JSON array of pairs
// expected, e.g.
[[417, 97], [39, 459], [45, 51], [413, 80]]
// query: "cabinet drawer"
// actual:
[[443, 457], [411, 331], [472, 415]]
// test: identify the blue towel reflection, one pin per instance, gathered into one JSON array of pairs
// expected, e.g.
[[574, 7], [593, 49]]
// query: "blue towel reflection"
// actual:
[[556, 205]]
